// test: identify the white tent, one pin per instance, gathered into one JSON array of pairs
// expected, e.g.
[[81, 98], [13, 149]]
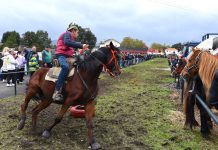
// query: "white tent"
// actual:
[[206, 44]]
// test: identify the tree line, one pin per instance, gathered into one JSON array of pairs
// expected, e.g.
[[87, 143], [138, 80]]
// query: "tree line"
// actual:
[[40, 39]]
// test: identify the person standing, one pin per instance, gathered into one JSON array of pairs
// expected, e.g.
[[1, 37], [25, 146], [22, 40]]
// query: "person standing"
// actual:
[[65, 49], [21, 66], [5, 64], [11, 68], [47, 57], [33, 63]]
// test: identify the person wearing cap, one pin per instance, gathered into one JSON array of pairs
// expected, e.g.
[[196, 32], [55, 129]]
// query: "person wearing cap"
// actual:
[[47, 57], [65, 49]]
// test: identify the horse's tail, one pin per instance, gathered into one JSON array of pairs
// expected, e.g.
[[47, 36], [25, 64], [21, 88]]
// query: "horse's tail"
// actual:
[[189, 103]]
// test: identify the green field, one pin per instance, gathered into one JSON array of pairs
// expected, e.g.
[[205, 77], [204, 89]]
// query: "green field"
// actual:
[[135, 112]]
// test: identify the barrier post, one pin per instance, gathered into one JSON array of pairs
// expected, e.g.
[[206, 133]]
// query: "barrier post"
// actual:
[[15, 84]]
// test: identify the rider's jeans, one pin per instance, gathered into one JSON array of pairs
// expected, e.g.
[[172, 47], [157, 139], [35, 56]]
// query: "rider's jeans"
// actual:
[[63, 73]]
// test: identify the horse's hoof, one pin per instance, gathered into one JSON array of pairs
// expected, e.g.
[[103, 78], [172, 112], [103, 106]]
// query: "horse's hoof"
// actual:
[[20, 125], [46, 134], [95, 146], [206, 136]]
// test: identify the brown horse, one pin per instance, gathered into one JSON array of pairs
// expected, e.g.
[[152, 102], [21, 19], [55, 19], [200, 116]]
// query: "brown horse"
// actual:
[[81, 88], [176, 73], [202, 66], [180, 65]]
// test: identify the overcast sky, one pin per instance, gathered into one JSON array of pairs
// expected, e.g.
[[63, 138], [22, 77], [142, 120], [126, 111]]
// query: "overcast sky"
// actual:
[[162, 21]]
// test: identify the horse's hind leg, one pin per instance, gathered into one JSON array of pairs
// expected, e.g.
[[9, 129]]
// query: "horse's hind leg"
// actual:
[[24, 106], [42, 105]]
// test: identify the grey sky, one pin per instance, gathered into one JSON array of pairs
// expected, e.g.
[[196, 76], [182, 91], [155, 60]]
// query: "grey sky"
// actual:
[[162, 21]]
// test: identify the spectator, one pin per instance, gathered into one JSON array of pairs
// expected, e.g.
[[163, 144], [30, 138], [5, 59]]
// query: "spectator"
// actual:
[[21, 66], [33, 63], [5, 49], [5, 64], [47, 57], [11, 68], [29, 55], [1, 63]]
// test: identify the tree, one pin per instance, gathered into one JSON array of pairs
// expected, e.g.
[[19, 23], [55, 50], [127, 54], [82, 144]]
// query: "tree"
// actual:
[[130, 43], [40, 39], [29, 39], [11, 39], [86, 36], [177, 46], [159, 46]]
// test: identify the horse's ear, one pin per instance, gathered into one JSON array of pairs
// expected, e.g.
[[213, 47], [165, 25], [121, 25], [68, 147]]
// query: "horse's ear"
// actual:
[[111, 45], [194, 49]]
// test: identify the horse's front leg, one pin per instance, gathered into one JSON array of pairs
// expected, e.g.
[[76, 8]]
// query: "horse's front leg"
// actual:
[[89, 114], [205, 126], [63, 110], [42, 105]]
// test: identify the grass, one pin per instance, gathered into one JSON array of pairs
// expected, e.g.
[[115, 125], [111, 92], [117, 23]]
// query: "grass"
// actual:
[[132, 113]]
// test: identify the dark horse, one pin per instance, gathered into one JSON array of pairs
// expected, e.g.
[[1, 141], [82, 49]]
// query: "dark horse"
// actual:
[[202, 66], [176, 73], [81, 88]]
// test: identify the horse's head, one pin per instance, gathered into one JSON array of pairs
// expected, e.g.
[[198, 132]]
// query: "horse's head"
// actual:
[[179, 67], [192, 66], [111, 57]]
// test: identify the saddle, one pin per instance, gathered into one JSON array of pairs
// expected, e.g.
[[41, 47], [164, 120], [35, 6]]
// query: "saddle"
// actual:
[[53, 73]]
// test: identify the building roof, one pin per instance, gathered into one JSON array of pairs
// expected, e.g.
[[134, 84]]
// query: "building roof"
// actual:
[[110, 40]]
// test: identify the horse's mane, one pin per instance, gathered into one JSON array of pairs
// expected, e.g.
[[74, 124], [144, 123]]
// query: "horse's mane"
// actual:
[[92, 58], [207, 68]]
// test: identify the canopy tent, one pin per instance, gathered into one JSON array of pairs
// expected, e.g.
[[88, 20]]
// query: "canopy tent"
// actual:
[[206, 44]]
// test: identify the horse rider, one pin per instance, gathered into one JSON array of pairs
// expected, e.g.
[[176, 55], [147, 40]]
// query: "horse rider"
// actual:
[[65, 49]]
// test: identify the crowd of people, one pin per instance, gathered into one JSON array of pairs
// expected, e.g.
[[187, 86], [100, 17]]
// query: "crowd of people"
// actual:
[[14, 60], [27, 61], [132, 59]]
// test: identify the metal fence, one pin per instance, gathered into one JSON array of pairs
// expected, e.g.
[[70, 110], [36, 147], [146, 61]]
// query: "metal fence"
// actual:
[[201, 101], [16, 73]]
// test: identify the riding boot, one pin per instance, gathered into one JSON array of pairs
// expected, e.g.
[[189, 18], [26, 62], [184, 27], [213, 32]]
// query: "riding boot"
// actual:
[[57, 96]]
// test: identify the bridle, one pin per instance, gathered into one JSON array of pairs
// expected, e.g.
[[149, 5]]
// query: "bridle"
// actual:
[[113, 59], [195, 65]]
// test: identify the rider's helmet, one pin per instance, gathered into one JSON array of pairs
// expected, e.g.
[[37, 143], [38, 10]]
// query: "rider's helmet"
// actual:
[[72, 26]]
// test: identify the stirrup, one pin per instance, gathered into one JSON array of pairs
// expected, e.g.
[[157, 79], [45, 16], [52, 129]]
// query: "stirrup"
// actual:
[[58, 97]]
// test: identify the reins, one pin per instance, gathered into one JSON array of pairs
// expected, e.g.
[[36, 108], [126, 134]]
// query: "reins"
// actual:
[[195, 65], [105, 66], [109, 62]]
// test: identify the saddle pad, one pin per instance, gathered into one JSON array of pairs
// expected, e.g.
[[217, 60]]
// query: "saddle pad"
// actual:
[[53, 73]]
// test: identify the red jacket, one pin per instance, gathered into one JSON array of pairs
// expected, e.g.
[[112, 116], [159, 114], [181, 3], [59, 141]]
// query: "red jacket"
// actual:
[[62, 49]]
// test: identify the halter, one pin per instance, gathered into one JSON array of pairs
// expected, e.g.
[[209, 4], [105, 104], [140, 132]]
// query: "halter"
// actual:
[[113, 58], [188, 69]]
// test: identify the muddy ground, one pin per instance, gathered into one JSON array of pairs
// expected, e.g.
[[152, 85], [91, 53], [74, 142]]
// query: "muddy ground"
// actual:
[[139, 111]]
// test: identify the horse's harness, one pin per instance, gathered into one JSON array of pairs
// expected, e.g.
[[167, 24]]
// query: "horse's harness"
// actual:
[[105, 66], [113, 58], [195, 65]]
